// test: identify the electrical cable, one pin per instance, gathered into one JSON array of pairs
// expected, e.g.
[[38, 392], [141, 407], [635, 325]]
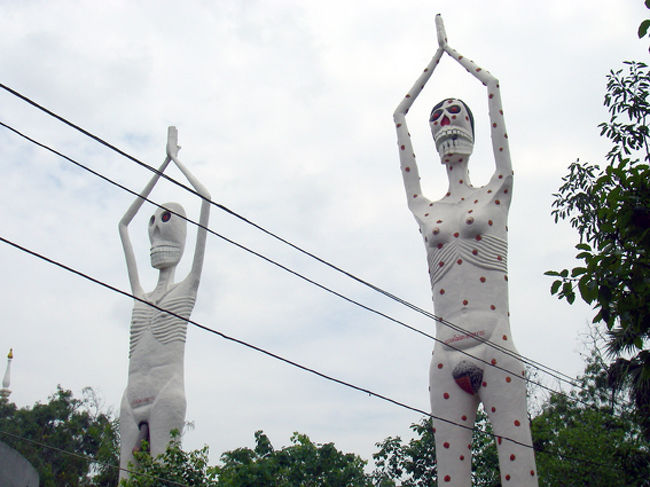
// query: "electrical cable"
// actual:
[[538, 365], [276, 356], [295, 273]]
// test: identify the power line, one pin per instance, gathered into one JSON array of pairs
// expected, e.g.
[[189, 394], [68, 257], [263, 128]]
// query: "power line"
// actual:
[[89, 458], [297, 274], [539, 366], [281, 358]]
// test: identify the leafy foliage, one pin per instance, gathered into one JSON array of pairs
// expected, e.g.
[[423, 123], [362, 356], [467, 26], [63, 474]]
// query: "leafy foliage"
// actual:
[[610, 209], [597, 444], [414, 464], [66, 423]]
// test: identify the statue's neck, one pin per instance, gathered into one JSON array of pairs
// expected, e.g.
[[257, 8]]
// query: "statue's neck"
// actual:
[[165, 279], [457, 172]]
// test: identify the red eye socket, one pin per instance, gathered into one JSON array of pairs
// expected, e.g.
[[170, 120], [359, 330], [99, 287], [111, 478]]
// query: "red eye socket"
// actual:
[[166, 216], [453, 109], [435, 115]]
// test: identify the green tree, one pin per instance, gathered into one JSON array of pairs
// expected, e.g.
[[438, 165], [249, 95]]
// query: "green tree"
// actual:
[[610, 209], [593, 443], [413, 464], [302, 464], [70, 425], [173, 467]]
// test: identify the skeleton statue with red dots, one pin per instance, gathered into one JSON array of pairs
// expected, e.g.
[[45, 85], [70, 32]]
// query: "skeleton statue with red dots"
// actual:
[[153, 403], [465, 236]]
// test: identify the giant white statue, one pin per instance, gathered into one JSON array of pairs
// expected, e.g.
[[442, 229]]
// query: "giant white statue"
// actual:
[[465, 235], [154, 403]]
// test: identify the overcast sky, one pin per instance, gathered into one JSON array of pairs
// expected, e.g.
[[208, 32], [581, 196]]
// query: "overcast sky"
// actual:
[[284, 111]]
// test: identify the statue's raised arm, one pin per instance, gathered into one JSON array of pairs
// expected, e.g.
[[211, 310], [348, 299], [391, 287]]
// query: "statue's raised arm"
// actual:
[[498, 131], [199, 249], [409, 168], [131, 264]]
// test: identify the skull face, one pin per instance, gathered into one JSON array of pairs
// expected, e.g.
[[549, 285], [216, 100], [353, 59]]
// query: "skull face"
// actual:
[[452, 127], [167, 235]]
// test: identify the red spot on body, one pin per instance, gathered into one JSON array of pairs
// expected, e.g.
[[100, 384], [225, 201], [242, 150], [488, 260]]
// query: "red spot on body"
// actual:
[[439, 245], [456, 234], [442, 291], [415, 196], [448, 193], [505, 338], [459, 261], [505, 191], [478, 238], [499, 439], [460, 181], [407, 96], [446, 395], [478, 69], [475, 201], [532, 473], [490, 222], [508, 379], [441, 263], [489, 191], [500, 176], [492, 307], [447, 478], [499, 257], [507, 477], [493, 361], [517, 423], [512, 458], [482, 279], [465, 302], [407, 169], [463, 417], [446, 444], [501, 112], [402, 147], [500, 149], [462, 457], [426, 214], [440, 366], [494, 125], [475, 252], [491, 95], [484, 384], [497, 202]]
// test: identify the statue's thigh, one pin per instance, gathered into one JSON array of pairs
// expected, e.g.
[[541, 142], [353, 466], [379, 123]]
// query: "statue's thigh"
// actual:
[[167, 414]]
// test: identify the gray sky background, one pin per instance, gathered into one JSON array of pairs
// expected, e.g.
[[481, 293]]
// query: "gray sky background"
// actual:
[[284, 111]]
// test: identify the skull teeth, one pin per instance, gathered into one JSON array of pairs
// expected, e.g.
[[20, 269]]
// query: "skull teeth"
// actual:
[[451, 132]]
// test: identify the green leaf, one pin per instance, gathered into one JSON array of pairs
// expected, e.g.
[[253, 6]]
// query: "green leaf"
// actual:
[[577, 271], [584, 246], [555, 286], [551, 273]]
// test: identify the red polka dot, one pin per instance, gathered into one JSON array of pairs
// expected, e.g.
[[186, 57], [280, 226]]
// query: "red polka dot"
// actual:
[[491, 95], [507, 477], [469, 446], [446, 395], [407, 169], [492, 307], [436, 231], [478, 69], [532, 473], [442, 291], [426, 214], [482, 279], [460, 181], [440, 366], [446, 444], [505, 338], [517, 423], [490, 222], [512, 458], [493, 361], [456, 234], [441, 263], [407, 96], [470, 211], [402, 147], [434, 430], [439, 245], [459, 261], [447, 478], [465, 302], [430, 204], [505, 135], [508, 379], [501, 112], [484, 384], [498, 438], [475, 201], [500, 149], [505, 278], [460, 57], [439, 221], [489, 191], [450, 168], [505, 191], [475, 252], [494, 125], [448, 193], [499, 257], [453, 117], [463, 417], [462, 457], [478, 238], [500, 176], [497, 202], [415, 196]]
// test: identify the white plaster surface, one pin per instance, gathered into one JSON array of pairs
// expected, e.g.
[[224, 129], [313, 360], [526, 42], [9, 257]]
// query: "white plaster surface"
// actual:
[[155, 392], [465, 235]]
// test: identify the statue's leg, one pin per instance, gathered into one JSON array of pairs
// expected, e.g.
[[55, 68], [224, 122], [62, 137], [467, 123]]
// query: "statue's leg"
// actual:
[[129, 433], [451, 402], [167, 414], [504, 398]]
